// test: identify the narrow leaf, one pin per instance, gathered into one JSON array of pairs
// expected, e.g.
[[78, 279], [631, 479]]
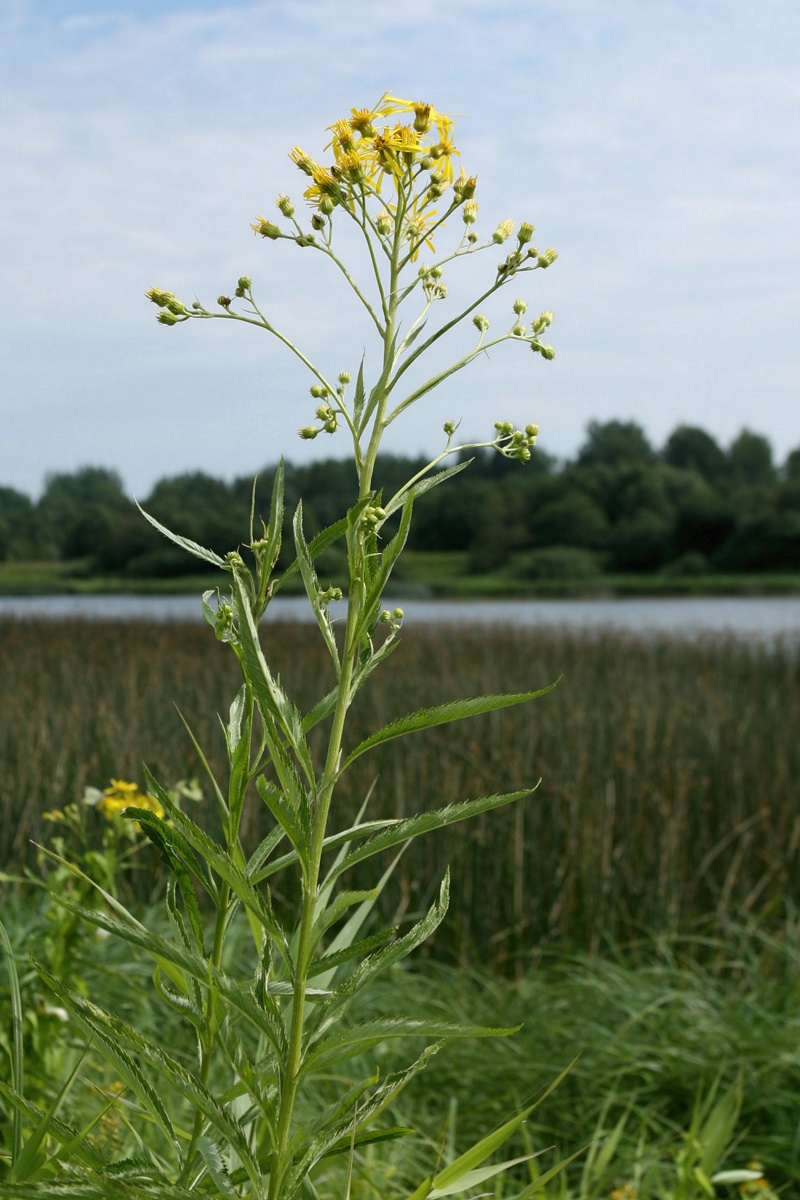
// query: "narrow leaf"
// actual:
[[442, 714]]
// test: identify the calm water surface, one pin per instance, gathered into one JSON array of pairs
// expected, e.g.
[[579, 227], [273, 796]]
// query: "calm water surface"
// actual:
[[747, 616]]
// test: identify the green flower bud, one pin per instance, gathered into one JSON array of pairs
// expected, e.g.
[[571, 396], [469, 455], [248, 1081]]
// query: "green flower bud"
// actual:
[[323, 412], [326, 205], [519, 331], [449, 428], [547, 352], [384, 222], [285, 205], [480, 323], [344, 377], [266, 228], [503, 231], [318, 391], [158, 297], [317, 222], [525, 232], [398, 614], [224, 301], [384, 615], [547, 257], [166, 318], [542, 321], [245, 283], [308, 433], [532, 431], [520, 307], [469, 213], [176, 306]]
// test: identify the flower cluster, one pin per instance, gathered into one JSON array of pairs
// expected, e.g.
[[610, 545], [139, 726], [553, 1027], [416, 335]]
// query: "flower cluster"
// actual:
[[119, 796]]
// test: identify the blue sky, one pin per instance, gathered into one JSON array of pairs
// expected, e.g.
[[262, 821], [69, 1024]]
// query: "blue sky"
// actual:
[[654, 144]]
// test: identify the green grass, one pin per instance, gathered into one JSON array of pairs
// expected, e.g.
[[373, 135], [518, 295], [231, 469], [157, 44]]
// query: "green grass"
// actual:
[[656, 1026]]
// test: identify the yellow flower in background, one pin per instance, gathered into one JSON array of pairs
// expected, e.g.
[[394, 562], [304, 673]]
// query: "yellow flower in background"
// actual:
[[121, 795]]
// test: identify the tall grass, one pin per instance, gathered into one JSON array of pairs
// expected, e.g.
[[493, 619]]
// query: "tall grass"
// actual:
[[670, 770]]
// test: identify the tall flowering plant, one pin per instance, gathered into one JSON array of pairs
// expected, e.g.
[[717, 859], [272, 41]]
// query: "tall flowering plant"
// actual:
[[281, 1085]]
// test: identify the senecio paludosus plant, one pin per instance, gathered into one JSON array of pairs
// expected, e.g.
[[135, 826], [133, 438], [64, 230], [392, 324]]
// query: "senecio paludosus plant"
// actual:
[[280, 1094]]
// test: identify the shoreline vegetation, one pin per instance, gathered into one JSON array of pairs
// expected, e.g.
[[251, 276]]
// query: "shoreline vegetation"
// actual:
[[427, 575]]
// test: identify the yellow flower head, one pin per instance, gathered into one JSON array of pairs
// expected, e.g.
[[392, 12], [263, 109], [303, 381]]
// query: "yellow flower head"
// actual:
[[121, 795], [343, 140], [325, 185], [361, 122], [302, 160]]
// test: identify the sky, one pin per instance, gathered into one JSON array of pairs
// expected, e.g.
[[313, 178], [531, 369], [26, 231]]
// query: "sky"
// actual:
[[654, 145]]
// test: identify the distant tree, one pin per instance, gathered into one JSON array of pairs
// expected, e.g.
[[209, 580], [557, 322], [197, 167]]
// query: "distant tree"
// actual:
[[693, 449], [750, 459], [703, 523], [78, 511], [791, 468], [763, 541], [19, 526], [614, 444], [640, 542], [574, 520]]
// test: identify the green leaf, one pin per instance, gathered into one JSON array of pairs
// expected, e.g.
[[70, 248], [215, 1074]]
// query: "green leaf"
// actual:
[[342, 1129], [373, 966], [412, 827], [454, 1173], [442, 714], [386, 563], [311, 584], [321, 541], [347, 1043], [295, 822], [477, 1177], [209, 1152], [359, 396], [185, 543], [424, 485], [274, 705], [112, 1034], [17, 1061]]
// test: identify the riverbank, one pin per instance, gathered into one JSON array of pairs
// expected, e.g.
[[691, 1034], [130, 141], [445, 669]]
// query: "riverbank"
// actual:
[[422, 575]]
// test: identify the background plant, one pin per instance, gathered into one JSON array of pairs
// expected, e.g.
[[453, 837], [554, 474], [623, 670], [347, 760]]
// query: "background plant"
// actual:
[[251, 1123]]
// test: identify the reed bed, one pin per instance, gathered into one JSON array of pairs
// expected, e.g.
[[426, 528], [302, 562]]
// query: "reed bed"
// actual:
[[670, 770]]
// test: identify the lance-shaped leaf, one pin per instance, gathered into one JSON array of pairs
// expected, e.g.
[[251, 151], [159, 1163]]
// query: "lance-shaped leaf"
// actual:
[[442, 714], [450, 1180], [411, 827], [115, 1037], [354, 833], [424, 485], [220, 861], [311, 584], [373, 966], [337, 1047], [120, 1041], [274, 704], [295, 821], [386, 563], [17, 1061], [367, 1111], [185, 543]]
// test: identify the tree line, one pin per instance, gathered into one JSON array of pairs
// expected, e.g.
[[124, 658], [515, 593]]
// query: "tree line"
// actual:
[[620, 505]]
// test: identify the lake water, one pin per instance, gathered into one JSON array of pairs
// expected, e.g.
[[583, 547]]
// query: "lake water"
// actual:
[[762, 617]]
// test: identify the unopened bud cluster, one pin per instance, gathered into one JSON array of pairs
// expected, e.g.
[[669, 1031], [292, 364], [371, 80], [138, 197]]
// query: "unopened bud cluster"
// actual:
[[515, 443]]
